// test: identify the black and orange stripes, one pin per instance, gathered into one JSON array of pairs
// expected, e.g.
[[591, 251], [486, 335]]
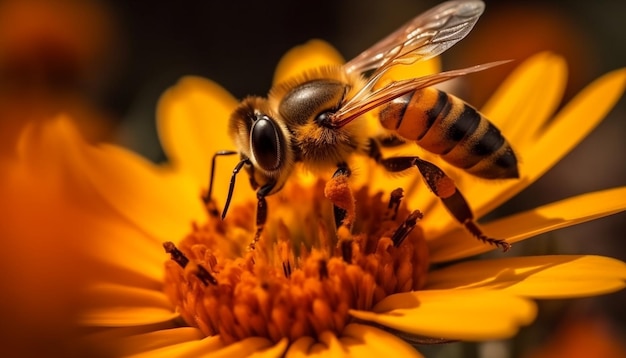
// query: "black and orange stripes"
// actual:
[[445, 125]]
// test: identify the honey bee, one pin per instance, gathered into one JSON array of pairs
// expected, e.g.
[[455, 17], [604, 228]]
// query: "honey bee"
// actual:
[[314, 119]]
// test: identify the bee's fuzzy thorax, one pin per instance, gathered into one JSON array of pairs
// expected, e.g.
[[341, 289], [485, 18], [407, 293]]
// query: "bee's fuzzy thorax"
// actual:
[[329, 72]]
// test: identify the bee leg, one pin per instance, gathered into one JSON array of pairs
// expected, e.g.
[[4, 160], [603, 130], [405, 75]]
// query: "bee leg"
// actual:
[[339, 212], [206, 198], [443, 186], [231, 187], [261, 212]]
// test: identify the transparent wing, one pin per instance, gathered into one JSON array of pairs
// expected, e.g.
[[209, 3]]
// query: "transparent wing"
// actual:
[[366, 99], [426, 36]]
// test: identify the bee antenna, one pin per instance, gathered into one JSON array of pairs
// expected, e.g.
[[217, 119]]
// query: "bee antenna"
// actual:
[[231, 188], [207, 198]]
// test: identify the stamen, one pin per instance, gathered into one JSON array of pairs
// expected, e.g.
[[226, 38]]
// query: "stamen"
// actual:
[[406, 227], [346, 251], [177, 256], [287, 268], [205, 276], [212, 261], [323, 269], [394, 202], [202, 274]]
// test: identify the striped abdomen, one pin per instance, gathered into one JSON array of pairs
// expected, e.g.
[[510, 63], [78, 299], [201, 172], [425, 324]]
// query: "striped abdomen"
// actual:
[[445, 125]]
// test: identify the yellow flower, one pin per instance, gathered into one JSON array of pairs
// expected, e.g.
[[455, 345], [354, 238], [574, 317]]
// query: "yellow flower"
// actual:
[[300, 291]]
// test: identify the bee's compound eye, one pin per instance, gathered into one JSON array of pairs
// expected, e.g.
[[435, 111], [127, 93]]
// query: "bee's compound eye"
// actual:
[[265, 141]]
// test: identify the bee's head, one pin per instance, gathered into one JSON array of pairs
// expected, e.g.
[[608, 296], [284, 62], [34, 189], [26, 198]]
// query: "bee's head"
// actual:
[[264, 139]]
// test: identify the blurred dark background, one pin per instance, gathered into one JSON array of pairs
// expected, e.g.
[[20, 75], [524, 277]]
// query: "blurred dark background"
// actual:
[[109, 61]]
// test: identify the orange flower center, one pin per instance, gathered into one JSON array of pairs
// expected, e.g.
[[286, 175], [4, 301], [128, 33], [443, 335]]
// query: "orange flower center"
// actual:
[[303, 274]]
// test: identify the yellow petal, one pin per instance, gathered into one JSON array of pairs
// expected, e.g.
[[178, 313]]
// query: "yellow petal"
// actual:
[[457, 244], [192, 121], [575, 121], [245, 348], [300, 348], [453, 314], [328, 346], [154, 198], [125, 255], [111, 305], [356, 340], [159, 201], [276, 350], [540, 106], [528, 96], [190, 349], [311, 55], [126, 316], [157, 339], [561, 276], [362, 340]]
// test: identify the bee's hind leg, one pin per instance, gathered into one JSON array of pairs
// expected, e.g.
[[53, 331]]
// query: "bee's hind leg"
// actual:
[[442, 186]]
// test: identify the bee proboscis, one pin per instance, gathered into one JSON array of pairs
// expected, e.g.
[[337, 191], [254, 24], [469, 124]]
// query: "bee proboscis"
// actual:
[[313, 119]]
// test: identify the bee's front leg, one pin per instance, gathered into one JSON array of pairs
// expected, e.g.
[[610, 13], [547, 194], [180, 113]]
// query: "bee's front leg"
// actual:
[[261, 211]]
